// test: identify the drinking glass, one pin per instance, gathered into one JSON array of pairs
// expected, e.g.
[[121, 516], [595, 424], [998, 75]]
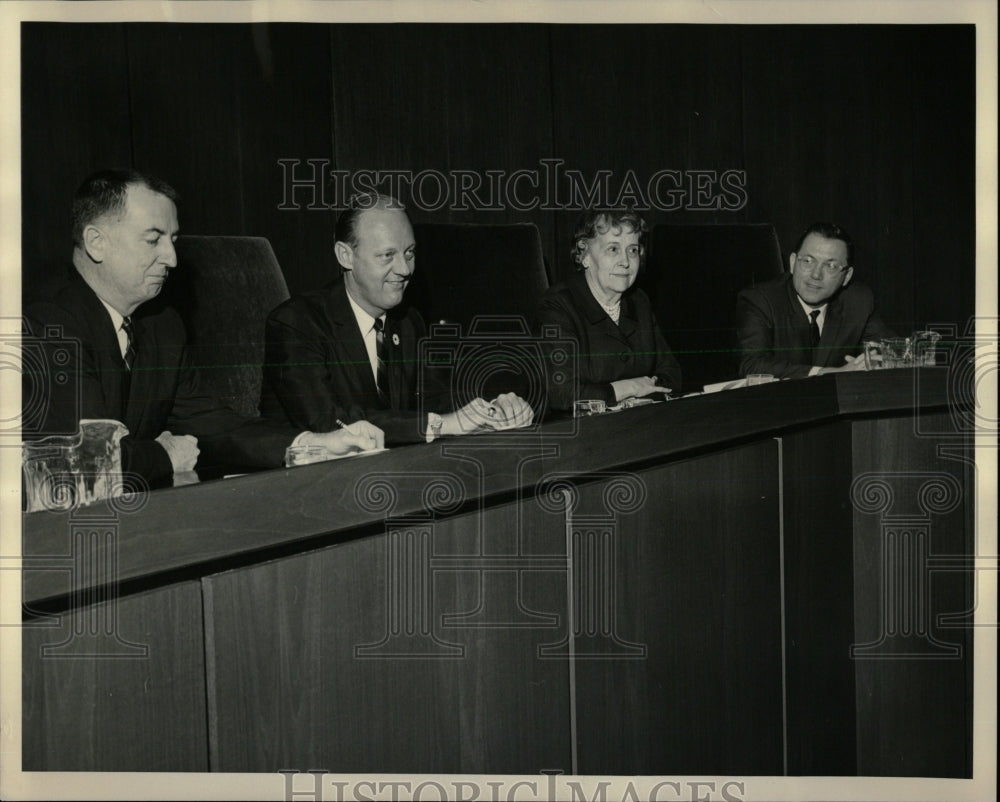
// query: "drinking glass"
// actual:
[[896, 352], [586, 407], [923, 346], [874, 354]]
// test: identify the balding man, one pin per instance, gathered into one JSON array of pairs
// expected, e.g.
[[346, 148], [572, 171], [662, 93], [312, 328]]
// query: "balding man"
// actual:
[[350, 350], [132, 364]]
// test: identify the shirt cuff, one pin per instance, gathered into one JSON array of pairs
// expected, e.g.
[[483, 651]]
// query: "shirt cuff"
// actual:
[[434, 422], [815, 369]]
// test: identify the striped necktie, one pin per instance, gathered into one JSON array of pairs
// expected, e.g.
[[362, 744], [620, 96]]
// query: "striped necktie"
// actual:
[[381, 375], [129, 358]]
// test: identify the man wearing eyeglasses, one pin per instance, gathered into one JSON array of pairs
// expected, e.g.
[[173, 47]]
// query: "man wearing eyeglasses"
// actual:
[[812, 320]]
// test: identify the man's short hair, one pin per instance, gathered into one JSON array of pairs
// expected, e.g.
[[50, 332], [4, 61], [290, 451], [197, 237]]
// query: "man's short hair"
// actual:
[[601, 221], [105, 192], [347, 224], [829, 231]]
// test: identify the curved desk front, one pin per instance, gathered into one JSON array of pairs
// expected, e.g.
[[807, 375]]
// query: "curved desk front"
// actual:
[[772, 580]]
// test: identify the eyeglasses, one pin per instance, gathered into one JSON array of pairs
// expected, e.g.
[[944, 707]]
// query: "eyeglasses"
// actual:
[[830, 269]]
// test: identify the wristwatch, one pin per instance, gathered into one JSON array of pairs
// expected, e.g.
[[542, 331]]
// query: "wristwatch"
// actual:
[[434, 424]]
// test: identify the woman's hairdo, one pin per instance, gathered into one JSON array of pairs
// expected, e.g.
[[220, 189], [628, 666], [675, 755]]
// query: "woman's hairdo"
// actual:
[[600, 221]]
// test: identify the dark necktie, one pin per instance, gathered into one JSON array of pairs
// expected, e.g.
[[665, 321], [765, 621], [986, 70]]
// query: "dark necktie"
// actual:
[[381, 376], [814, 327], [127, 360]]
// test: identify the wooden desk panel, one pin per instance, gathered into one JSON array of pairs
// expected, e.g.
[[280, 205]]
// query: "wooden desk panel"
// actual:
[[819, 614], [392, 653], [117, 686], [913, 670], [698, 586]]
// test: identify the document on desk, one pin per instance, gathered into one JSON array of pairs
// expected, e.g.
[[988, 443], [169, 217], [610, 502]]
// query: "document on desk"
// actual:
[[730, 385]]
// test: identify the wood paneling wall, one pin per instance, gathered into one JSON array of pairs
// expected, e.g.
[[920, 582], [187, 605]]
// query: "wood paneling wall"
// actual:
[[870, 125]]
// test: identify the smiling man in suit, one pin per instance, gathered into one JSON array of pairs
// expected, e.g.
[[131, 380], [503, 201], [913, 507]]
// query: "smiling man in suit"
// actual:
[[814, 319], [350, 350], [131, 348]]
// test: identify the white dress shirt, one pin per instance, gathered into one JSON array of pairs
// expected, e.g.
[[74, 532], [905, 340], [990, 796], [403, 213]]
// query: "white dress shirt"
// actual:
[[366, 324], [117, 320], [820, 320]]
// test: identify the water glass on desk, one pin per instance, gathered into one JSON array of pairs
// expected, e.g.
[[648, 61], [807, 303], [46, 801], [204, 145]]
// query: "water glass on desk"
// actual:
[[586, 407], [896, 352], [874, 354], [923, 347]]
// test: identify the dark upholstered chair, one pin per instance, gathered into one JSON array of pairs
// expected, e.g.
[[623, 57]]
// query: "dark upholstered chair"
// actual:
[[493, 272], [693, 274], [465, 270], [224, 288]]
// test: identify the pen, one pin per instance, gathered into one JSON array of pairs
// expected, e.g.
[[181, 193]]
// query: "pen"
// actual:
[[343, 425]]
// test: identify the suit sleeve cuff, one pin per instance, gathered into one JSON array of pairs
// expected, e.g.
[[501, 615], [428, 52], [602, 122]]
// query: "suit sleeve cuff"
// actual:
[[434, 422]]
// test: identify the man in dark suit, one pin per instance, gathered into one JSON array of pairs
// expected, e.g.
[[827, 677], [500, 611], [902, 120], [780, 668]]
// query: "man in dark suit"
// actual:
[[350, 350], [812, 320], [131, 349]]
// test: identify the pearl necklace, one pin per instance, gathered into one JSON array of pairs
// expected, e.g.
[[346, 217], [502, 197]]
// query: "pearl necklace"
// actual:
[[614, 311]]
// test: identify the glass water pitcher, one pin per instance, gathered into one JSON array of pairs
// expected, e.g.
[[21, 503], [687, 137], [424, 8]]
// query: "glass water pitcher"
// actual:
[[64, 472]]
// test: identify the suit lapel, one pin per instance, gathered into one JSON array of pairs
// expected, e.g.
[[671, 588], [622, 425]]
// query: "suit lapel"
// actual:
[[394, 366], [107, 353], [113, 378], [354, 354], [594, 312], [797, 326], [628, 321], [828, 352], [141, 393]]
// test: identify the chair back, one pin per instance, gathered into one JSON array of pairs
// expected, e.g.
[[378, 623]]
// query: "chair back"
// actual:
[[224, 288], [466, 270], [693, 274]]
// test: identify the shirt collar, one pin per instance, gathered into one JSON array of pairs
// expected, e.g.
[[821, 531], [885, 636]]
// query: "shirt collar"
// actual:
[[365, 321], [116, 316], [808, 309]]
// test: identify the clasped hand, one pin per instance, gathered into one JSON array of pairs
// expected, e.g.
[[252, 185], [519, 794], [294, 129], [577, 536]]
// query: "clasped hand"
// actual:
[[638, 387], [506, 411], [182, 450], [850, 363], [358, 436]]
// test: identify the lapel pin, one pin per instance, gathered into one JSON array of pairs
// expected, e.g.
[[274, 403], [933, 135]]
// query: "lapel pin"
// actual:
[[395, 339]]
